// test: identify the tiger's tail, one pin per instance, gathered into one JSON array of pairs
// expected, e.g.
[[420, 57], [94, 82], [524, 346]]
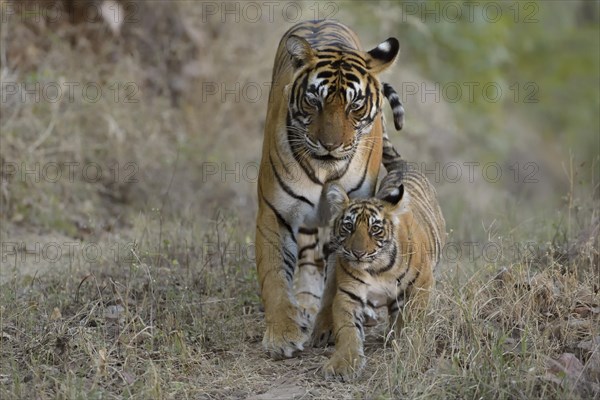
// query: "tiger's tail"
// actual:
[[397, 108], [392, 160]]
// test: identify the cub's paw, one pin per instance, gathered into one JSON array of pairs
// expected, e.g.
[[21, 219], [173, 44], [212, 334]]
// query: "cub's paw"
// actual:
[[284, 339], [322, 334], [370, 316], [345, 367]]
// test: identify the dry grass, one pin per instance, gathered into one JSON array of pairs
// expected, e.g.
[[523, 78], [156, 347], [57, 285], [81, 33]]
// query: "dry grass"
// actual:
[[169, 307], [185, 322]]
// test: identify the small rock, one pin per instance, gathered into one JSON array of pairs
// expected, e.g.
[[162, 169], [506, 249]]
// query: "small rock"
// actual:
[[114, 312]]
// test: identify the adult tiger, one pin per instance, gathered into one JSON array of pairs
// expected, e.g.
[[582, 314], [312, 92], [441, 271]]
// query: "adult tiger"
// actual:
[[324, 123]]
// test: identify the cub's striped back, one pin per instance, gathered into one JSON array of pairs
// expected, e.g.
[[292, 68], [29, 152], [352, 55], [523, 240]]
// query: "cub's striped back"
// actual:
[[422, 202]]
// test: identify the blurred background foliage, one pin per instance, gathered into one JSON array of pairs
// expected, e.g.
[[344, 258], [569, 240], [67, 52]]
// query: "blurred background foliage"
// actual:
[[551, 45]]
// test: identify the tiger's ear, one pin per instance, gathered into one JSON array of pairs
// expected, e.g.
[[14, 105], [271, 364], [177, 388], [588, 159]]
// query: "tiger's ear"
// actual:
[[336, 197], [383, 56], [397, 198], [300, 51]]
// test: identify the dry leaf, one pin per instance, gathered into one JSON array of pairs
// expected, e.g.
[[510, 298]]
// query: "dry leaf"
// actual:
[[566, 366], [585, 296], [582, 311], [129, 378], [56, 314], [101, 362], [590, 345]]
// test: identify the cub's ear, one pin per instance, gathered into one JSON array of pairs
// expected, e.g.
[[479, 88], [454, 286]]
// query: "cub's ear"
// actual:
[[397, 198], [336, 197], [383, 56], [300, 51]]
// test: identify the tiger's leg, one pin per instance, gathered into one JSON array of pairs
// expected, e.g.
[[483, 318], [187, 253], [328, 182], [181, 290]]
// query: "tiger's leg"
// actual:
[[322, 333], [348, 318], [276, 252], [310, 275], [419, 295], [396, 313], [410, 304]]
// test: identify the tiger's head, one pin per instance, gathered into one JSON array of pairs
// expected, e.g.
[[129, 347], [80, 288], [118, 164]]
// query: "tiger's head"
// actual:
[[363, 231], [335, 96]]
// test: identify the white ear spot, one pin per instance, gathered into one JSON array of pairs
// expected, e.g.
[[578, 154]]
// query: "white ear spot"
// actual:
[[404, 205], [385, 46]]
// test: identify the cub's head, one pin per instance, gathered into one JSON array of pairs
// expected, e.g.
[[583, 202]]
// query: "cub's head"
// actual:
[[335, 96], [363, 231]]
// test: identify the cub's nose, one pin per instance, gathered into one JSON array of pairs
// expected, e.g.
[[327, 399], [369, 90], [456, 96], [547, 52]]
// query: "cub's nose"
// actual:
[[330, 145]]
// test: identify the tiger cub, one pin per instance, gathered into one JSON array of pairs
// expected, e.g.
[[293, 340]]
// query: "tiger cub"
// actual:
[[383, 253]]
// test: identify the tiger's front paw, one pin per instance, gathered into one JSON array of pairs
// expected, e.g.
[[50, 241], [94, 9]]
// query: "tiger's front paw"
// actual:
[[323, 330], [308, 313], [286, 335], [344, 365]]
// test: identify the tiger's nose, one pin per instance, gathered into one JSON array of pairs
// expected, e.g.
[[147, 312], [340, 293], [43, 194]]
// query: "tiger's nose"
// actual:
[[359, 253], [330, 145]]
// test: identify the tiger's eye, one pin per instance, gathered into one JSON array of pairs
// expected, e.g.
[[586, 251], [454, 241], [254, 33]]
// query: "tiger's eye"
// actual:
[[355, 106], [347, 226], [313, 101]]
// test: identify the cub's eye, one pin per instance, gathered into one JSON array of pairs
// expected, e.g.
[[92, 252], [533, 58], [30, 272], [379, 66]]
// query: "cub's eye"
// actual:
[[313, 101], [347, 226]]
